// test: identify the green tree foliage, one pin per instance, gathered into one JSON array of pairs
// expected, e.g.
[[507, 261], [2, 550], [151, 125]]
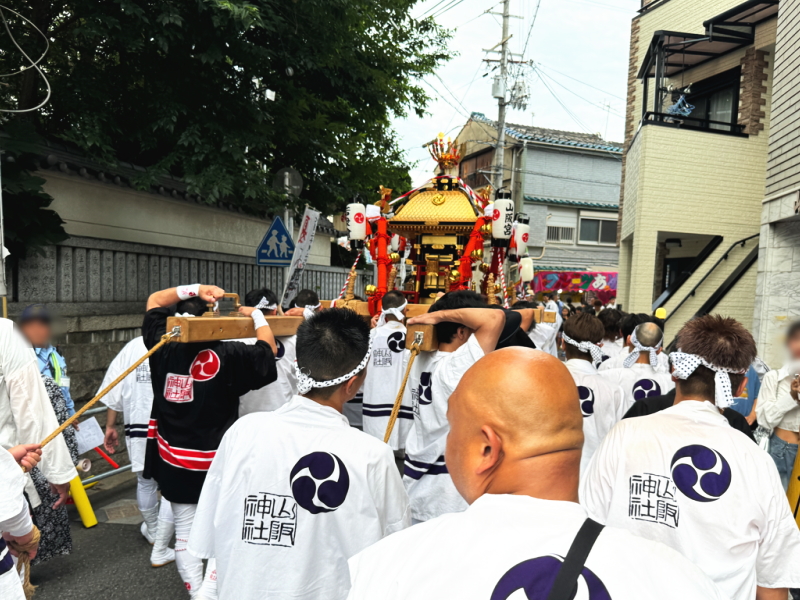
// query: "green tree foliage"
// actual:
[[179, 86]]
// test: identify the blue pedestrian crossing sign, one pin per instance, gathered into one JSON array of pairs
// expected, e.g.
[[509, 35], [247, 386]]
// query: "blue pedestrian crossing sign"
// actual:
[[277, 247]]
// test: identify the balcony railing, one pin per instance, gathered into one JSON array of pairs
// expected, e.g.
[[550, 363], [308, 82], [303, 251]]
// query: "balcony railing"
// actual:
[[693, 123]]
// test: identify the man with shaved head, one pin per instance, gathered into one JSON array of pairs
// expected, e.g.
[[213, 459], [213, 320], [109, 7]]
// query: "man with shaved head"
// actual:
[[684, 477], [514, 453], [639, 377]]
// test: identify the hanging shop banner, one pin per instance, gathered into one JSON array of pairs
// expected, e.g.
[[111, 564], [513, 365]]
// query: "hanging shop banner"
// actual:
[[604, 285], [308, 227]]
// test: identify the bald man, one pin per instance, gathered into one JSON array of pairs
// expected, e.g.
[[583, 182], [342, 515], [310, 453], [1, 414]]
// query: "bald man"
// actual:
[[514, 452], [640, 375]]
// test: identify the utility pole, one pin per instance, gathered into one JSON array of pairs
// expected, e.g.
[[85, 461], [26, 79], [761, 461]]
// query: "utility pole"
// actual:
[[499, 92]]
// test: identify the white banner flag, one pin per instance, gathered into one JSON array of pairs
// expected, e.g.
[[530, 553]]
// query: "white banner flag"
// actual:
[[308, 227]]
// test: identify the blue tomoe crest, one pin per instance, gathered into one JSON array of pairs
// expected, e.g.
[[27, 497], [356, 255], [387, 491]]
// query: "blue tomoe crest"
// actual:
[[586, 396], [320, 482], [536, 576], [646, 388], [700, 473]]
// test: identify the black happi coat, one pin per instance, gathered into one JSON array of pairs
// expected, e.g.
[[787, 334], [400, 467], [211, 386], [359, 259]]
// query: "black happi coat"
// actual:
[[196, 389]]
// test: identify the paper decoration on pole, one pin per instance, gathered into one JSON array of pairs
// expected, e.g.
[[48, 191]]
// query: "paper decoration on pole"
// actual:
[[502, 221], [355, 215], [526, 269], [522, 234], [308, 227]]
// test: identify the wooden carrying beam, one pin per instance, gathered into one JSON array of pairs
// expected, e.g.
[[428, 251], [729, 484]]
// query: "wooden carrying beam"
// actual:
[[212, 329]]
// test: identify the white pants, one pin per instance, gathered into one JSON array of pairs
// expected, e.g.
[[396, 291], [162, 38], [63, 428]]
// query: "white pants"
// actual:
[[190, 567], [146, 492], [11, 586]]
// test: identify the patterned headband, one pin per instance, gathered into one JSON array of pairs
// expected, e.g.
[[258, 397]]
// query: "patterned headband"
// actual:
[[685, 364], [638, 348], [593, 349], [309, 310], [264, 304], [305, 382], [396, 312]]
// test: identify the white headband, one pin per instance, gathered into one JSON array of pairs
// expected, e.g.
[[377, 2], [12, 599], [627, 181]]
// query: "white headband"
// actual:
[[264, 304], [305, 382], [395, 312], [309, 310], [593, 349], [177, 314], [683, 365], [638, 348]]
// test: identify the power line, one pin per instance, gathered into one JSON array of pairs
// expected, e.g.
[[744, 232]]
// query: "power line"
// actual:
[[479, 16], [614, 112], [540, 66], [533, 22], [430, 10], [564, 106], [450, 6]]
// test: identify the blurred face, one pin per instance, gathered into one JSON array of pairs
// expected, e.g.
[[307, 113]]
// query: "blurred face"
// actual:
[[36, 332], [564, 313], [793, 343]]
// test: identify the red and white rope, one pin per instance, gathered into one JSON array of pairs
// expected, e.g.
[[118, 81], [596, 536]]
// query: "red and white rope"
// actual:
[[350, 272]]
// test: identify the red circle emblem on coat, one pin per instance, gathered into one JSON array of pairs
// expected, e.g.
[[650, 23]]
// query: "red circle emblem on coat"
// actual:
[[205, 366]]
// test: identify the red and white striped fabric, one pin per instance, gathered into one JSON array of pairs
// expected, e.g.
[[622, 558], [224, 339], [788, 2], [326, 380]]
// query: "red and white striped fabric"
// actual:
[[183, 458]]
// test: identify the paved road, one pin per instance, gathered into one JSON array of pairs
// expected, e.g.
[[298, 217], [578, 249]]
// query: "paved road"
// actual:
[[109, 561]]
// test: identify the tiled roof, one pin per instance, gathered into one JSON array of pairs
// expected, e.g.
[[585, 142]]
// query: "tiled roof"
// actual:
[[577, 203], [553, 136]]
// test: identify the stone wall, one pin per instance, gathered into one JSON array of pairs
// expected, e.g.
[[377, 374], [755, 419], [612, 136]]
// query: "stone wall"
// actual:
[[99, 289]]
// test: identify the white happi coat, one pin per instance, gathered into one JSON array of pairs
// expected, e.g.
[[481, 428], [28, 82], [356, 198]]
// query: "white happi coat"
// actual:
[[507, 546], [612, 348], [639, 381], [384, 378], [133, 397], [14, 519], [684, 477], [602, 405], [280, 391], [26, 415], [425, 474], [292, 495], [617, 361]]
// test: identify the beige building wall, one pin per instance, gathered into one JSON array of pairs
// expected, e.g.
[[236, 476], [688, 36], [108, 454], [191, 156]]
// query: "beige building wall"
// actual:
[[691, 182], [106, 211]]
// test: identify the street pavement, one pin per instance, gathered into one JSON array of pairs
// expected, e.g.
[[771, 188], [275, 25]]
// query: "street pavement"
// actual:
[[110, 561]]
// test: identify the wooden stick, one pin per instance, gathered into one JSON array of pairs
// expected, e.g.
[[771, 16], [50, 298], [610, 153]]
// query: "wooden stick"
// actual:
[[399, 400], [164, 339]]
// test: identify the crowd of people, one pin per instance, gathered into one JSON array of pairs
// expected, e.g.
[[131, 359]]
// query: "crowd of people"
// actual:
[[567, 458]]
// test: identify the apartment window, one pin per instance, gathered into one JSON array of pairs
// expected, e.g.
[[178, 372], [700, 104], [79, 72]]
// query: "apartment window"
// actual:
[[560, 235], [716, 101], [602, 232]]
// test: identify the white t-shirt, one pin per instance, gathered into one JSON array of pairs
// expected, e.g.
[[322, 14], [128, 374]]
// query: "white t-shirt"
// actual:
[[684, 477], [617, 361], [280, 391], [292, 494], [133, 397], [602, 405], [14, 519], [640, 381], [385, 372], [505, 547], [543, 337], [425, 475]]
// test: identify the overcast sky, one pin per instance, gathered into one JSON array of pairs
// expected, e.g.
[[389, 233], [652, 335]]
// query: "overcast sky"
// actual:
[[580, 48]]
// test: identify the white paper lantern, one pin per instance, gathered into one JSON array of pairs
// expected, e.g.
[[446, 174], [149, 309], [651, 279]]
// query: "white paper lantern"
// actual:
[[526, 269], [521, 235], [502, 219], [355, 214], [395, 243]]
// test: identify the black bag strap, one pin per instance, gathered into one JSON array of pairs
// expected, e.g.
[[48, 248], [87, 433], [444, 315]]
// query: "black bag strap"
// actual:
[[566, 583]]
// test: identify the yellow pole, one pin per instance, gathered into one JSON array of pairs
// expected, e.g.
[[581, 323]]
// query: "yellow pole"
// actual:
[[5, 307], [794, 490], [82, 503]]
